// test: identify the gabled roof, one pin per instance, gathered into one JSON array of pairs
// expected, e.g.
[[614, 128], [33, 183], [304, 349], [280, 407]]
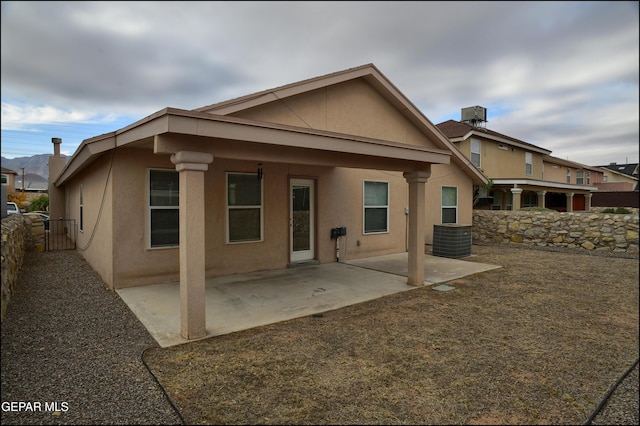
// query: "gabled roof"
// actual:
[[371, 75], [215, 121], [8, 171], [630, 170], [457, 131]]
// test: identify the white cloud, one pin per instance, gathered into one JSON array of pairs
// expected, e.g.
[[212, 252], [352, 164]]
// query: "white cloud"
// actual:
[[548, 72], [28, 117]]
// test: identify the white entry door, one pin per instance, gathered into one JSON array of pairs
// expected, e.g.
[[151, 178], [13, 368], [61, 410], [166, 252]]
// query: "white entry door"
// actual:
[[301, 220]]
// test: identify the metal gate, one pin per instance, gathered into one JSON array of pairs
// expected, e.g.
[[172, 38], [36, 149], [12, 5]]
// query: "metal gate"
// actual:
[[60, 234]]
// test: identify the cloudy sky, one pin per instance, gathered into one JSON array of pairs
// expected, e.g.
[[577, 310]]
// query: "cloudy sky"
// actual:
[[560, 75]]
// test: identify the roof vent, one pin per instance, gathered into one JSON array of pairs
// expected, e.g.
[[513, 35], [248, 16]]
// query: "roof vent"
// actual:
[[475, 115]]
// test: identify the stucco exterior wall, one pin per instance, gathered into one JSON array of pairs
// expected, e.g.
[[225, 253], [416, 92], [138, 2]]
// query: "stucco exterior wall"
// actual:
[[134, 263], [557, 174], [95, 240], [617, 177], [353, 108], [447, 175], [502, 163], [119, 248], [338, 203]]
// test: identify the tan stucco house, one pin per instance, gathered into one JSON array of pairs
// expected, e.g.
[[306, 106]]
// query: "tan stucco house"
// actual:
[[522, 174], [619, 177], [261, 182]]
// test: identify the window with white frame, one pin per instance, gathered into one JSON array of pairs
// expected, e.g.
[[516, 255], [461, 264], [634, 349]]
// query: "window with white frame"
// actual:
[[449, 204], [588, 177], [164, 213], [376, 207], [476, 149], [528, 164], [244, 208], [568, 175], [579, 177], [4, 179]]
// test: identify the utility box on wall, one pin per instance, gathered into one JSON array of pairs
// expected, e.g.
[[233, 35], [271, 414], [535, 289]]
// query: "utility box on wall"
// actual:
[[452, 240]]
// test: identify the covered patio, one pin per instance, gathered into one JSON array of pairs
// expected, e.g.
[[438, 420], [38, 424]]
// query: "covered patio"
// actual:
[[242, 301], [193, 140]]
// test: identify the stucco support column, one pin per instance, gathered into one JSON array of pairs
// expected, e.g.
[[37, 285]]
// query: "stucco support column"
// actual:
[[541, 195], [587, 201], [569, 201], [417, 217], [191, 166], [517, 198]]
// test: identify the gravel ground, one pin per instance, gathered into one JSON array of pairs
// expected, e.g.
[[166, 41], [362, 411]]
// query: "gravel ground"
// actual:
[[68, 341], [621, 408]]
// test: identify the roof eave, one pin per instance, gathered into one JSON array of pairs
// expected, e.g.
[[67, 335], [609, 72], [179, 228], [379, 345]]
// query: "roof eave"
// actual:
[[192, 123]]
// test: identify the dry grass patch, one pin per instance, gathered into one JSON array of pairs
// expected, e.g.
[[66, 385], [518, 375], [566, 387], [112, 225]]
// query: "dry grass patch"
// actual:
[[538, 341]]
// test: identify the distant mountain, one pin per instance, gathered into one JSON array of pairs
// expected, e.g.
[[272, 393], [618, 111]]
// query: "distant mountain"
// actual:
[[36, 165]]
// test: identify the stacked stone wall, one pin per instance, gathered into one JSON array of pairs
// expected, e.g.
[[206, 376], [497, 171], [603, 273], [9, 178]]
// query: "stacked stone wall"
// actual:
[[14, 237], [35, 233], [605, 232]]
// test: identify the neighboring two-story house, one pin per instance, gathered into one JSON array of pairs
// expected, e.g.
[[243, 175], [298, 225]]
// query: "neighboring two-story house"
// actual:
[[521, 174], [619, 177]]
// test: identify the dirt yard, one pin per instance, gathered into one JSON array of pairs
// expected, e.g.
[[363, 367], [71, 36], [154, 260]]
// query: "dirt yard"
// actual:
[[539, 341]]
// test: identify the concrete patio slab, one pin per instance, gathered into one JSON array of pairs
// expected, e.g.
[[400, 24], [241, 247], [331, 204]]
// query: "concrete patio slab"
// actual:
[[242, 301]]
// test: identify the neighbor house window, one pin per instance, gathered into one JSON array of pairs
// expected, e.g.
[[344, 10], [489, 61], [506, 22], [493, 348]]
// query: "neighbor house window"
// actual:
[[579, 177], [529, 199], [4, 180], [449, 204], [81, 213], [496, 204], [509, 200], [475, 152], [588, 177], [164, 214], [528, 164], [568, 175], [244, 207], [376, 207]]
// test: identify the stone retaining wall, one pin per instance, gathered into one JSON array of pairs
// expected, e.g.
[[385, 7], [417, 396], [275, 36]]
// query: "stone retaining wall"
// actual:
[[14, 237], [35, 233], [607, 232]]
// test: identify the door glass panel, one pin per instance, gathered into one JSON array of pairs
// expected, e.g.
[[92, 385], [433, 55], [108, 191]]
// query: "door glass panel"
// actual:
[[301, 218]]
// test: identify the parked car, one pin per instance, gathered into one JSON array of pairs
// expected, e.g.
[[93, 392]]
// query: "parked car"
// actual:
[[12, 208], [43, 216]]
